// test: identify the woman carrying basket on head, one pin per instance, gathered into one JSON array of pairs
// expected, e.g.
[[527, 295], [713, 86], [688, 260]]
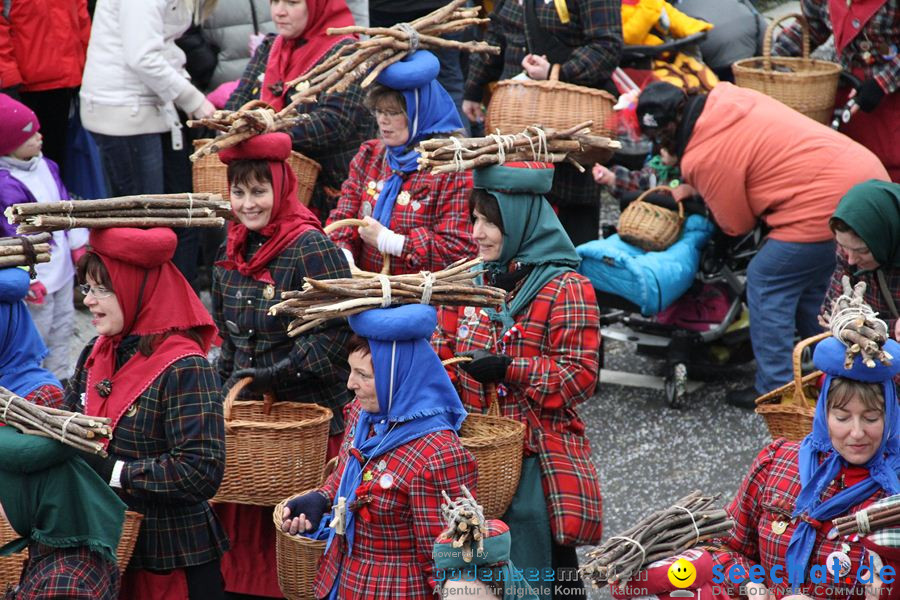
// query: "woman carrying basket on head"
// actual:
[[418, 219], [540, 351], [784, 508], [274, 244], [147, 371], [401, 453], [336, 124]]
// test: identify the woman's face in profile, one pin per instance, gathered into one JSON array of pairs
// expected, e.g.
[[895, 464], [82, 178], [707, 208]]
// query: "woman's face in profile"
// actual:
[[290, 17], [362, 381]]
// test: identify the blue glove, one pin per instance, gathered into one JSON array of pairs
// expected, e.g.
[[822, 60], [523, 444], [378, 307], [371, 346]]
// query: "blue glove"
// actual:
[[313, 505]]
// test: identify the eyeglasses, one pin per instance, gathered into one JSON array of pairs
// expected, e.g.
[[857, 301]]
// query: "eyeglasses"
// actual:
[[391, 114], [98, 292]]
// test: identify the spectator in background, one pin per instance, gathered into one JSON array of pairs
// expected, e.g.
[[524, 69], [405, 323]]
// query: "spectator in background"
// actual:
[[42, 54], [235, 28], [133, 81]]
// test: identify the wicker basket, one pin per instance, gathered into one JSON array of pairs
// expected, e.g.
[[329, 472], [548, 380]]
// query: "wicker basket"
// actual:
[[271, 448], [11, 566], [209, 174], [789, 410], [359, 273], [297, 558], [649, 226], [517, 104], [807, 85]]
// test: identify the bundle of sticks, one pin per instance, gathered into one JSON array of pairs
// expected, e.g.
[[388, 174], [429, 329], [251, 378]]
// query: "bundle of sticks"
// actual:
[[25, 251], [325, 299], [855, 323], [449, 155], [254, 118], [466, 525], [73, 429], [365, 59], [150, 210], [663, 533], [883, 514]]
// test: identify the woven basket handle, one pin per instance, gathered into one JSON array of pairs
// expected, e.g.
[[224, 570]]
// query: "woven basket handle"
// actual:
[[236, 389], [554, 73], [770, 31], [490, 389], [385, 257], [668, 190], [798, 397]]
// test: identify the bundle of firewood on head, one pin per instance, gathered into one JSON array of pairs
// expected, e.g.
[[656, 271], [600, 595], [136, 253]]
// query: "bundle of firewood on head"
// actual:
[[84, 433], [149, 210], [25, 251], [855, 323], [325, 299], [466, 524], [574, 145], [664, 533]]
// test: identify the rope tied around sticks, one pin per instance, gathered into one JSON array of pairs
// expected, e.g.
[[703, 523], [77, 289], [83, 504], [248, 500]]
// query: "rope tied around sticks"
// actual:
[[30, 258], [542, 148], [427, 286], [385, 290], [65, 425], [633, 541], [693, 521], [847, 315], [413, 36], [862, 522]]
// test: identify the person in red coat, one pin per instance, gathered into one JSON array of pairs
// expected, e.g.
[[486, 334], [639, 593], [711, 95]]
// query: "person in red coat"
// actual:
[[380, 510]]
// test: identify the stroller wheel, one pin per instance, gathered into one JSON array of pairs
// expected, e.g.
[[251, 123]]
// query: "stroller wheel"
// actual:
[[676, 386]]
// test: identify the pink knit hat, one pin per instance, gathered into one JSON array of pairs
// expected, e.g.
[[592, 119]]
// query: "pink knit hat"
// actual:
[[17, 124]]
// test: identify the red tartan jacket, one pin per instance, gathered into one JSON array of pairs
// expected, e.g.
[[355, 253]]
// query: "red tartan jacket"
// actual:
[[395, 532], [764, 503], [435, 220], [555, 350]]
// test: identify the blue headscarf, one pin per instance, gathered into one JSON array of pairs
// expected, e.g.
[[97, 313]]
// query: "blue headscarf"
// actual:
[[415, 395], [815, 477], [429, 110], [21, 347]]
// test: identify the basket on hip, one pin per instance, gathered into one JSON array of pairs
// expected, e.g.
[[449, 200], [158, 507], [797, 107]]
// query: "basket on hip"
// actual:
[[648, 226], [805, 84], [297, 558], [210, 174], [789, 409], [518, 104], [271, 448]]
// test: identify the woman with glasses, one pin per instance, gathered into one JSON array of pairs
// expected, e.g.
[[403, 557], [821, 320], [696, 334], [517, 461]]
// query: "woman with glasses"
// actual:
[[147, 371], [418, 219]]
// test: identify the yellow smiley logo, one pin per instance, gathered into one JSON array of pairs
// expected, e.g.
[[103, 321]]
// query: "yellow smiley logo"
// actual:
[[682, 573]]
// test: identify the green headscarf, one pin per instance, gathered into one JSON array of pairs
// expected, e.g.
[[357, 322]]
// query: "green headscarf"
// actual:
[[872, 210], [52, 497], [532, 235]]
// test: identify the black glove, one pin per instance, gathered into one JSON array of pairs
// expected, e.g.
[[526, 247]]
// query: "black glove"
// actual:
[[103, 466], [313, 505], [263, 377], [486, 367], [869, 95]]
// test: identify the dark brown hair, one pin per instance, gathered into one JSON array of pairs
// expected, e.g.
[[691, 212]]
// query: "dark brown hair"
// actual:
[[245, 172], [357, 343], [486, 203], [843, 390], [379, 93], [838, 224]]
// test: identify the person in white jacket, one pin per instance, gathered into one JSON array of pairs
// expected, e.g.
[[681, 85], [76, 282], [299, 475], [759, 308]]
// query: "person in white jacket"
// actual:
[[133, 88]]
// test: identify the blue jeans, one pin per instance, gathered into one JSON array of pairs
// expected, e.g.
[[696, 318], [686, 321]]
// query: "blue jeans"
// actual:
[[147, 164], [786, 283]]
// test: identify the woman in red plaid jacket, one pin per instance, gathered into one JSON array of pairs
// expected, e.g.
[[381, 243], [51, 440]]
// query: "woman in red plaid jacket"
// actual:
[[540, 351], [380, 510], [784, 509], [417, 219]]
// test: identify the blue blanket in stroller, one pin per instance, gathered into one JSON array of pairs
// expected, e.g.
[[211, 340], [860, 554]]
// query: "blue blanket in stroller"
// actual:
[[651, 280]]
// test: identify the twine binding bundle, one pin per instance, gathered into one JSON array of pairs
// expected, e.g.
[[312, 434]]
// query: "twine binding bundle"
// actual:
[[271, 448], [807, 85], [296, 557], [648, 226]]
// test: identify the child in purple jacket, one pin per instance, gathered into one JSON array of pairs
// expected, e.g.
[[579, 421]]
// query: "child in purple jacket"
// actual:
[[26, 176]]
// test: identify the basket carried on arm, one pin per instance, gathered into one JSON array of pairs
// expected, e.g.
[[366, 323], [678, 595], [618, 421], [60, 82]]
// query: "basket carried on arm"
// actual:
[[385, 257], [648, 226], [296, 556], [805, 84], [789, 409], [516, 104], [271, 448]]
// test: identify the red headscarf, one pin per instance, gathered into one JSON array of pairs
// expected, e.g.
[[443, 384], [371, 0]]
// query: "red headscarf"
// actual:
[[289, 218], [155, 298], [289, 59]]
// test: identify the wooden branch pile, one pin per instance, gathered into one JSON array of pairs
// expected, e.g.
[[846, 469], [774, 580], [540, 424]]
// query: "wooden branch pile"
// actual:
[[150, 210], [365, 59], [881, 515], [254, 118], [449, 155], [322, 300], [664, 533], [73, 429], [17, 252], [466, 524], [855, 323]]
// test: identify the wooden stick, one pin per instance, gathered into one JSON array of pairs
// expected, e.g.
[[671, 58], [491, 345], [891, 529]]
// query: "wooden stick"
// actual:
[[18, 251], [21, 261], [38, 238], [46, 223]]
